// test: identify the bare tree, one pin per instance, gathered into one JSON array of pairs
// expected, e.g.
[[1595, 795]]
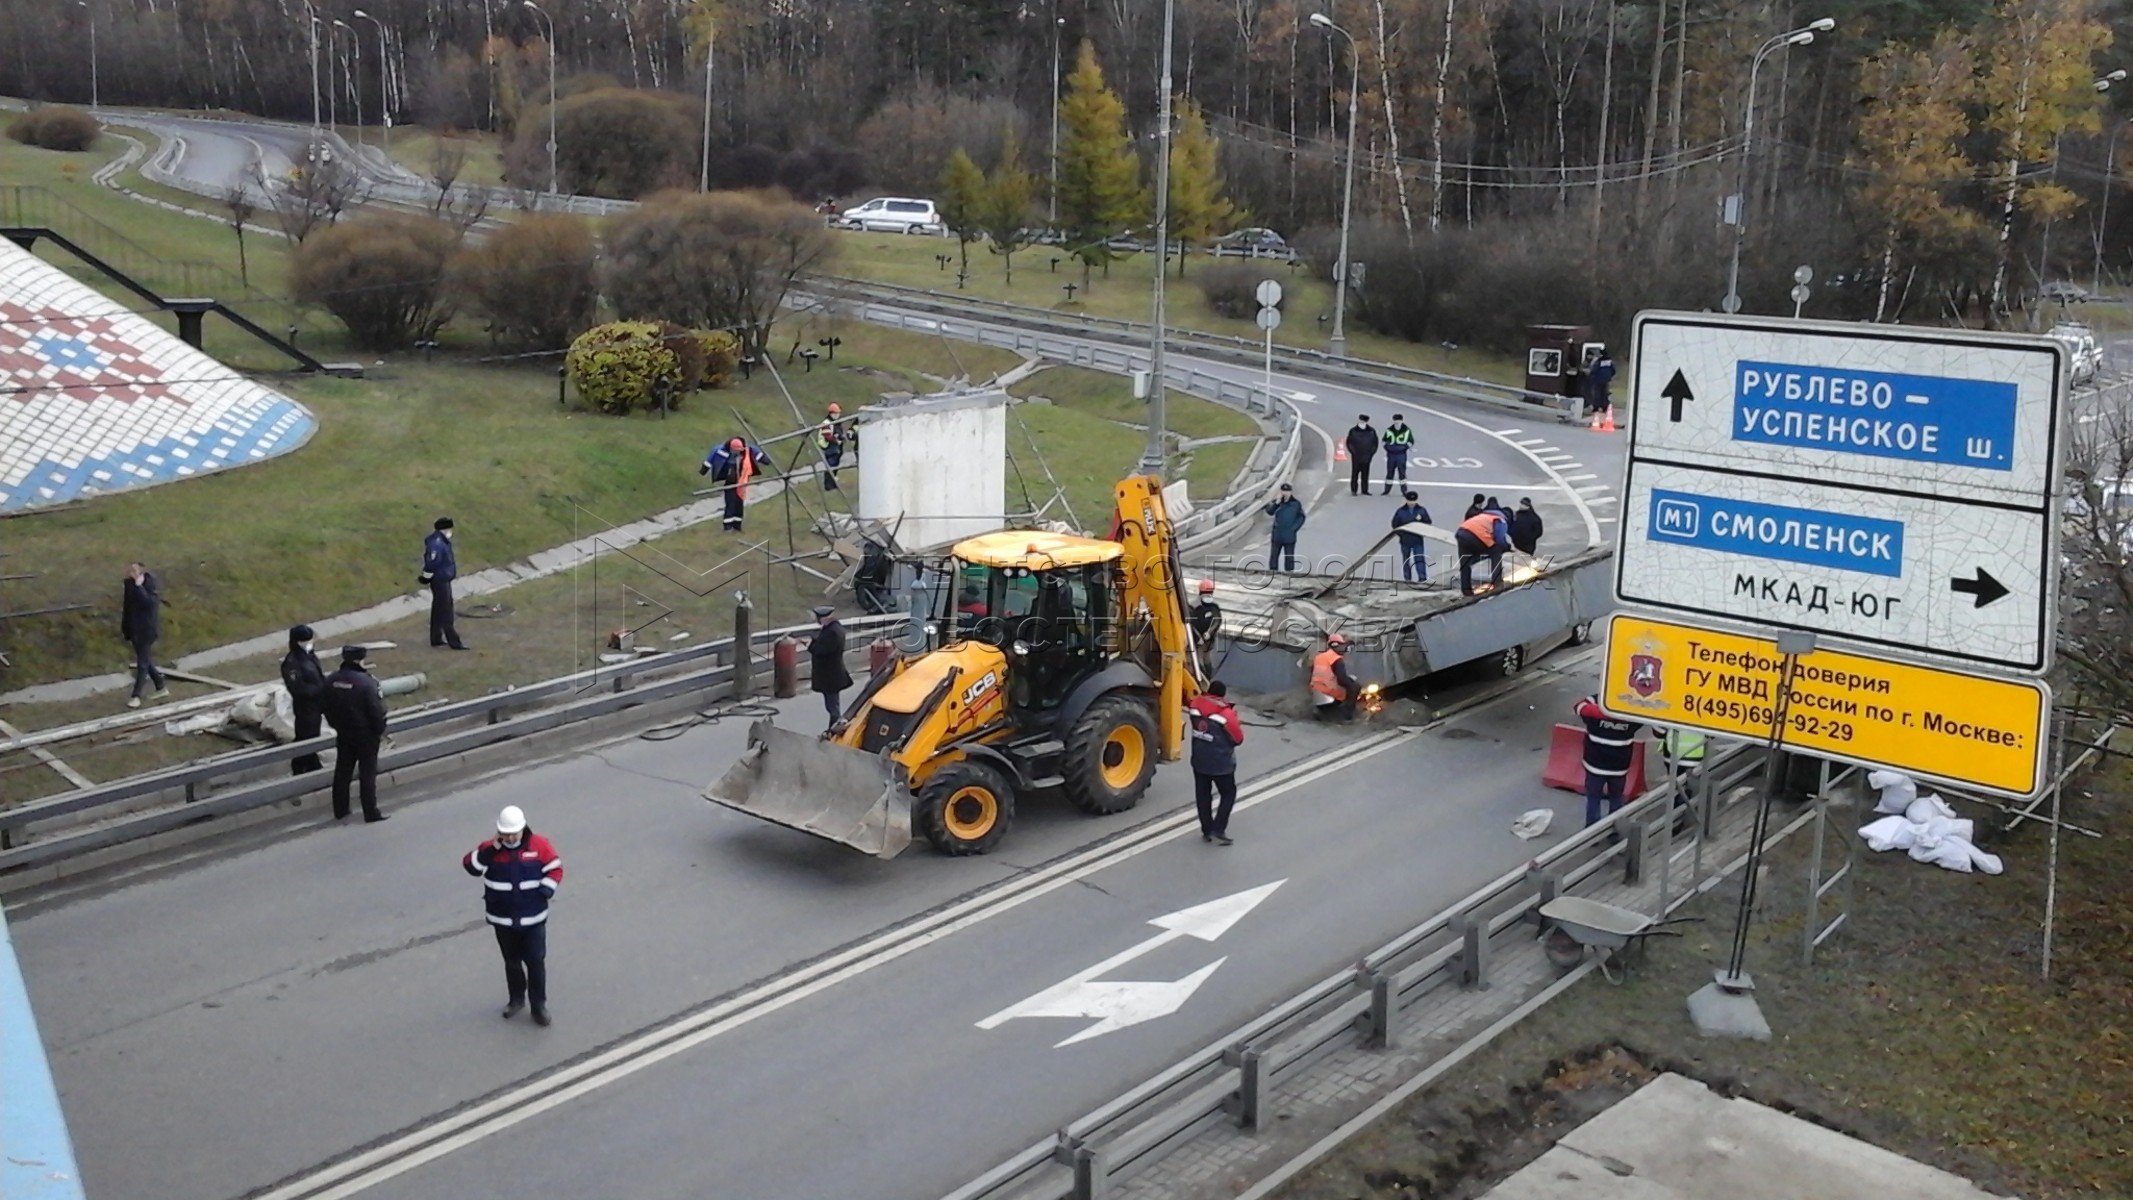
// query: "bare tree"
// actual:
[[460, 207], [315, 196], [2096, 548], [238, 208]]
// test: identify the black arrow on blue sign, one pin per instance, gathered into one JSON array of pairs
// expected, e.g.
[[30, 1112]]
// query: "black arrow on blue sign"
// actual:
[[1676, 391], [1984, 587]]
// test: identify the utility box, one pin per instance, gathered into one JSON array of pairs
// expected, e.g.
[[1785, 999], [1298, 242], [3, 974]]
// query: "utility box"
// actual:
[[934, 468], [1555, 358]]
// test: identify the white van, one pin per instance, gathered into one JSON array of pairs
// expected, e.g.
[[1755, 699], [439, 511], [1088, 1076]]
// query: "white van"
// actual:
[[893, 214]]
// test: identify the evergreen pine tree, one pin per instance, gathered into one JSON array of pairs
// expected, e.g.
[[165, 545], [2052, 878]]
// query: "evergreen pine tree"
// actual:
[[1199, 212], [962, 202], [1100, 194]]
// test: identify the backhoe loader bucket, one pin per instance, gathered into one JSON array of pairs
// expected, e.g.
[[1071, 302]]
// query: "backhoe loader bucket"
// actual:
[[802, 782]]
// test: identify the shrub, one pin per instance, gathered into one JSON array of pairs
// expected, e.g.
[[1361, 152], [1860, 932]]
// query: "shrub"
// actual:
[[722, 355], [533, 279], [1232, 288], [616, 142], [55, 127], [908, 140], [623, 365], [688, 355], [716, 260], [382, 277]]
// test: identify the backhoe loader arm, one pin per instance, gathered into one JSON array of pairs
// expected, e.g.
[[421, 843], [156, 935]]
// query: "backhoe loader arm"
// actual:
[[1154, 586]]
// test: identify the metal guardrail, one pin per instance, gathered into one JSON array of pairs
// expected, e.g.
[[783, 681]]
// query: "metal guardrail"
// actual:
[[1233, 1079], [501, 717], [1242, 351]]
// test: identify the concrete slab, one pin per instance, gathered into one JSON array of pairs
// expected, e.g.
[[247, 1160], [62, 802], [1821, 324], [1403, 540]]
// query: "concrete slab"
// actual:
[[1720, 1013], [1675, 1139]]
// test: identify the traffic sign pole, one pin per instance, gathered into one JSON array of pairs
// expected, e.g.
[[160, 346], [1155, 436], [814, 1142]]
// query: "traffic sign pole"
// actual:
[[1269, 319]]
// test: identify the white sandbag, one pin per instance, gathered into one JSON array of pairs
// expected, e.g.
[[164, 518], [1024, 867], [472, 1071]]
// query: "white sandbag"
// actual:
[[1951, 853], [1533, 823], [1889, 833], [1988, 863], [1928, 808], [1896, 789]]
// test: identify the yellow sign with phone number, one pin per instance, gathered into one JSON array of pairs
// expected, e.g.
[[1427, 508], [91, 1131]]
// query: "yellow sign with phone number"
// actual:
[[1932, 722]]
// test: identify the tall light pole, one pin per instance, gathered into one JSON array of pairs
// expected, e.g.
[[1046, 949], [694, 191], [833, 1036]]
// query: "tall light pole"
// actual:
[[2103, 210], [311, 18], [355, 77], [333, 90], [385, 96], [95, 94], [703, 176], [1058, 24], [1338, 343], [1152, 457], [1796, 37], [552, 176]]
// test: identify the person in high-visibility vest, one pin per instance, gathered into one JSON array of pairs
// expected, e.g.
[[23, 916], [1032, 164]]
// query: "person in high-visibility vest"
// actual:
[[1333, 688], [1399, 439], [1484, 534], [1683, 751]]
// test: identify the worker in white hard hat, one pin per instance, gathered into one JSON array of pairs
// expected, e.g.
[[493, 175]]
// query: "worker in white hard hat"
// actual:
[[520, 872]]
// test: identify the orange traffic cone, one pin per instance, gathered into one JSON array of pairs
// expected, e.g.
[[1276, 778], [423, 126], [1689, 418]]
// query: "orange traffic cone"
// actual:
[[1340, 452], [1605, 423]]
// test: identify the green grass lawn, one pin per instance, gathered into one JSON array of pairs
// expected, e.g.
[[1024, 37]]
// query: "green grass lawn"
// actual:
[[415, 148], [1124, 294]]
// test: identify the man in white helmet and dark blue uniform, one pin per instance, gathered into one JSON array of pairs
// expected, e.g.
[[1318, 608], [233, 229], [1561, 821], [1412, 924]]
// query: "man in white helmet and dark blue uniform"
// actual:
[[520, 872]]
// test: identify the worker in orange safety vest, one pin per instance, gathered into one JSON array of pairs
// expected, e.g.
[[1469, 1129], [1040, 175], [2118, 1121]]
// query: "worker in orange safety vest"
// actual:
[[1485, 534], [1333, 688]]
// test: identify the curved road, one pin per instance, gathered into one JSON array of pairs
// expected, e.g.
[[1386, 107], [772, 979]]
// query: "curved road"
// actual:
[[310, 1010]]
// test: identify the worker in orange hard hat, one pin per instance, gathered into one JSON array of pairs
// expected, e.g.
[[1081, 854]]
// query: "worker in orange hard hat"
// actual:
[[829, 441], [734, 465], [1206, 616], [1333, 688]]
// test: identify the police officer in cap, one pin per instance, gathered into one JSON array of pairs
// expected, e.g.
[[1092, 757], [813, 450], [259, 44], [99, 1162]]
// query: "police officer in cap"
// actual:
[[306, 681], [356, 710]]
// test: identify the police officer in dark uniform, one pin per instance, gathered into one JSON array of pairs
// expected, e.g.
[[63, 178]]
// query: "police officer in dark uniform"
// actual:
[[1399, 439], [306, 681], [825, 657], [356, 710]]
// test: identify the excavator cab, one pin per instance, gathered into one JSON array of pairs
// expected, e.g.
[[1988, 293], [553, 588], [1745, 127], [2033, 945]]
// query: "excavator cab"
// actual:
[[1061, 662]]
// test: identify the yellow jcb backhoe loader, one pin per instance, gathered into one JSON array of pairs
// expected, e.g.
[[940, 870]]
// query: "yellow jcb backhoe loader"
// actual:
[[1068, 668]]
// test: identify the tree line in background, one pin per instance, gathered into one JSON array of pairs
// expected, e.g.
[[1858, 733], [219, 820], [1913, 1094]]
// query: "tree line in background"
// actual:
[[1930, 161]]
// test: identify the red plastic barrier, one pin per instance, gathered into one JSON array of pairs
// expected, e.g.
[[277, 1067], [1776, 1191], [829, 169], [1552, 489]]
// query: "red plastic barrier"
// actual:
[[1566, 763]]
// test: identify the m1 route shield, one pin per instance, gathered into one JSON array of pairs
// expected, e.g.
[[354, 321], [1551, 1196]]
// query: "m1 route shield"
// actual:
[[1886, 486]]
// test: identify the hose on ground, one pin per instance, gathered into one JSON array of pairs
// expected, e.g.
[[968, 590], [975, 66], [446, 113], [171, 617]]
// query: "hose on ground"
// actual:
[[706, 716]]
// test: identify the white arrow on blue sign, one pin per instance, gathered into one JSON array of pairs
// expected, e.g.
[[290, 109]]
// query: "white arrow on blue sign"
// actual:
[[1888, 486]]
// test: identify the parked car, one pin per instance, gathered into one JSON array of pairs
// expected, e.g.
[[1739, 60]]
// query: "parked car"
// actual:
[[2084, 355], [893, 214], [1254, 238], [2063, 292]]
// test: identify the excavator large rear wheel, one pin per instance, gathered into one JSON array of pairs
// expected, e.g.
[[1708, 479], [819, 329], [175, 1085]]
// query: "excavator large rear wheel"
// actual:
[[965, 808], [1110, 755]]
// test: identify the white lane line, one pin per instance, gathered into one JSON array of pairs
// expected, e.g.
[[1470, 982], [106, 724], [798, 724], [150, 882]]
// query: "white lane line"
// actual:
[[1579, 478], [1505, 432], [1599, 498], [1486, 487], [400, 1155], [1529, 443]]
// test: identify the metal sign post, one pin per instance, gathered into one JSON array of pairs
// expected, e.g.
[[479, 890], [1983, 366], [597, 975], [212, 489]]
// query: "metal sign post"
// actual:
[[1269, 296]]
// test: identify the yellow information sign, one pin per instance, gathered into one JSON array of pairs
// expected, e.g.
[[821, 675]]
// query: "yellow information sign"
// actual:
[[1933, 722]]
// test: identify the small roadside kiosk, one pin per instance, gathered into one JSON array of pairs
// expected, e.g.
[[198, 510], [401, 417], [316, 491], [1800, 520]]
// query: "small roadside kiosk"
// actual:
[[1555, 359]]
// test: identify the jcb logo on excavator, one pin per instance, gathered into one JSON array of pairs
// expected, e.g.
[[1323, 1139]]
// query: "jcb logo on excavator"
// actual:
[[978, 690]]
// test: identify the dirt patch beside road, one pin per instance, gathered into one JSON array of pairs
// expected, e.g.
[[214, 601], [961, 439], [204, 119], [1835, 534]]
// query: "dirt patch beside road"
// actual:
[[1923, 1028]]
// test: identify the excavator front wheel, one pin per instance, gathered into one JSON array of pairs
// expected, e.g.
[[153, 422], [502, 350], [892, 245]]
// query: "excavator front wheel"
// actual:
[[965, 808], [1110, 755]]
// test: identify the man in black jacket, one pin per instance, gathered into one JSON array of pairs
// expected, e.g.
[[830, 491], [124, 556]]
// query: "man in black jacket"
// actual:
[[356, 710], [825, 658], [1216, 734], [440, 566], [1362, 445], [141, 623], [1525, 527], [306, 681]]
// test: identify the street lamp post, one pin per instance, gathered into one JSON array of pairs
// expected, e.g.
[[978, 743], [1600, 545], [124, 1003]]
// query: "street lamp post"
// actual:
[[1338, 343], [1152, 457], [552, 176], [2103, 210], [95, 93], [703, 177], [385, 97], [1796, 37], [311, 18], [355, 78], [1056, 26]]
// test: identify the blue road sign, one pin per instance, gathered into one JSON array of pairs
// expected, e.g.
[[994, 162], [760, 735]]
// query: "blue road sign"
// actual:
[[1882, 414], [1778, 532]]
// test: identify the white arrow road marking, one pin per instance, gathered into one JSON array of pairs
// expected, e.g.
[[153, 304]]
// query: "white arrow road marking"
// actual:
[[1118, 1003]]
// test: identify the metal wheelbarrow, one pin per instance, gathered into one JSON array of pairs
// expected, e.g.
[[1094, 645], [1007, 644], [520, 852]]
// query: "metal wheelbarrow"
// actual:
[[1570, 925]]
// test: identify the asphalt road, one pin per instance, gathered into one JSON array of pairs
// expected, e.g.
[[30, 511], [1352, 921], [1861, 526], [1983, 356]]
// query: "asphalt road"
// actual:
[[221, 1024]]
